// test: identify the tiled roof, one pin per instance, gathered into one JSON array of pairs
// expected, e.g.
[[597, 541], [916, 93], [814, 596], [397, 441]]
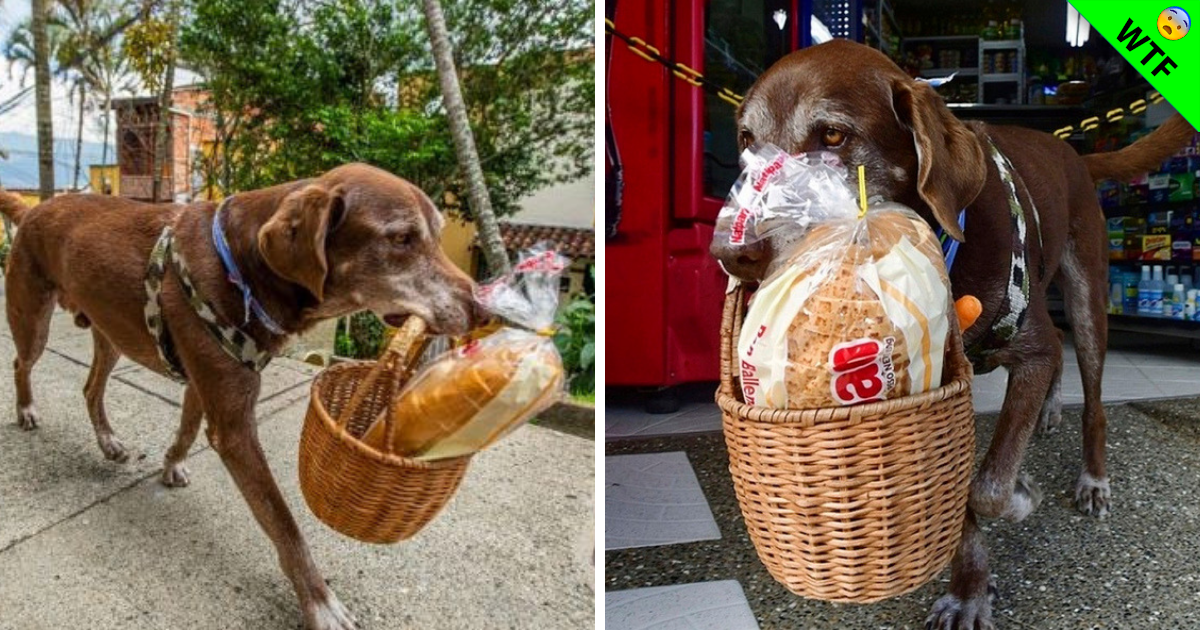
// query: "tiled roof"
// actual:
[[571, 242]]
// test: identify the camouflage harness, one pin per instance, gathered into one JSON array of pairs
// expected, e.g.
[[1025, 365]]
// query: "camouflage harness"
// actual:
[[233, 340], [1012, 311]]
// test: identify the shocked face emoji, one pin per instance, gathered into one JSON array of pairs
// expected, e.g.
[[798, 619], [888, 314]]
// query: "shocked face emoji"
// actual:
[[1173, 23]]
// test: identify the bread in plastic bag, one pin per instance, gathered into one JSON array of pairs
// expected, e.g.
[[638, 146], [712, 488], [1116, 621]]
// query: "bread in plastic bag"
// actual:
[[470, 397], [859, 312]]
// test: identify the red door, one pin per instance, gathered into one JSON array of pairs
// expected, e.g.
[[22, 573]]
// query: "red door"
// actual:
[[677, 146]]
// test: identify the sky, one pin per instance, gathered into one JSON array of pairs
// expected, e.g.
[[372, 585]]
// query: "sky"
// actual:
[[23, 119]]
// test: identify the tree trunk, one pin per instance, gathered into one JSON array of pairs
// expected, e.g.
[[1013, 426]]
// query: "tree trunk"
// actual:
[[464, 141], [45, 125], [78, 139], [160, 137], [107, 118]]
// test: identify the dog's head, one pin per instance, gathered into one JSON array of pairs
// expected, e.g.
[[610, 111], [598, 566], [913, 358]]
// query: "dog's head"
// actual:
[[852, 100], [361, 238]]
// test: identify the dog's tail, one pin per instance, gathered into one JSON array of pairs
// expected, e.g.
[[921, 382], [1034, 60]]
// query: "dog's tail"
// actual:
[[1144, 155], [12, 206]]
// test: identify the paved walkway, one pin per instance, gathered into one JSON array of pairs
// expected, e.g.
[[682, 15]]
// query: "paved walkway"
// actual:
[[87, 543], [678, 555]]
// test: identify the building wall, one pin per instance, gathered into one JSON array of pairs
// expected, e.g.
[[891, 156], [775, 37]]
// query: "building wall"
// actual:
[[105, 175], [457, 240]]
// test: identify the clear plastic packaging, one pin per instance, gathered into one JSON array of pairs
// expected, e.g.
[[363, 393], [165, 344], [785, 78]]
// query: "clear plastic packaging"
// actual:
[[777, 190], [470, 397], [861, 310]]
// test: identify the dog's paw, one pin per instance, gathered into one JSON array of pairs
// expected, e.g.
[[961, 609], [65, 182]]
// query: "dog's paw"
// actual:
[[329, 615], [1026, 497], [27, 418], [1092, 496], [112, 448], [1050, 419], [175, 476], [952, 613]]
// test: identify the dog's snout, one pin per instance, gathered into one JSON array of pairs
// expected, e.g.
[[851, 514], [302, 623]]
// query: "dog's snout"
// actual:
[[744, 261]]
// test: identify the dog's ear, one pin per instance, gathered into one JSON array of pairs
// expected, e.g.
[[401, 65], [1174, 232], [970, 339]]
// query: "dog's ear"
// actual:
[[951, 166], [292, 241]]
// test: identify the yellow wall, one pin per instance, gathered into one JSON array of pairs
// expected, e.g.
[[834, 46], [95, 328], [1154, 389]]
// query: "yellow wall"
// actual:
[[457, 238], [31, 199], [98, 174]]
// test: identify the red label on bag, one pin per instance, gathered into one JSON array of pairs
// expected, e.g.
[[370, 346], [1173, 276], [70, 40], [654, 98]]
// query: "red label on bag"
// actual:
[[750, 382], [862, 370], [737, 234]]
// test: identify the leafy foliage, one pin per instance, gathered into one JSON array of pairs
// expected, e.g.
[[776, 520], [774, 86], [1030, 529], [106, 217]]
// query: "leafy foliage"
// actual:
[[149, 46], [303, 86], [360, 336], [576, 341]]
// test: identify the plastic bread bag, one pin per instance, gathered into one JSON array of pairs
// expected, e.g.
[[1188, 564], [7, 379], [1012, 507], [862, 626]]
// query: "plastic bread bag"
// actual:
[[859, 313], [470, 397], [777, 190]]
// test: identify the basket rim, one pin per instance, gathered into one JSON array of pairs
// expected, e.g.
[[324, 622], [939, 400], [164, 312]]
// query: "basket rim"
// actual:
[[813, 416], [340, 432]]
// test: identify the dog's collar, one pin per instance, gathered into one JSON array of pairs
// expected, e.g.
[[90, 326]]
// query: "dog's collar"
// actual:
[[249, 303], [235, 342]]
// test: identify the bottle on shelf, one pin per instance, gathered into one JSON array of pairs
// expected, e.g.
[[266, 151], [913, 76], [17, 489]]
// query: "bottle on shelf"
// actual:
[[1143, 288], [1178, 301], [1169, 294], [1189, 307], [1116, 298], [1158, 287]]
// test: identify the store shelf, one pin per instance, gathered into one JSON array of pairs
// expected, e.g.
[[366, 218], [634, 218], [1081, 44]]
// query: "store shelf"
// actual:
[[938, 73], [942, 38], [1155, 326], [1007, 77], [1003, 44]]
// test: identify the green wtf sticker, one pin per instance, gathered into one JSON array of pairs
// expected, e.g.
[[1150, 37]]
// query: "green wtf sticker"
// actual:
[[1160, 40]]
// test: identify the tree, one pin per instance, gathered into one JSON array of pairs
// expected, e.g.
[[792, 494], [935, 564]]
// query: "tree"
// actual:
[[303, 86], [90, 54], [45, 125], [464, 141], [150, 46]]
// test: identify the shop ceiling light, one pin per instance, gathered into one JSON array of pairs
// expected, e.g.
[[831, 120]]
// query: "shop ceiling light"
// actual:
[[1078, 28]]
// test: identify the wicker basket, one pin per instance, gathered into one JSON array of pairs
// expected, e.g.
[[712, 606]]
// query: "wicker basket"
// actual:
[[368, 495], [851, 504]]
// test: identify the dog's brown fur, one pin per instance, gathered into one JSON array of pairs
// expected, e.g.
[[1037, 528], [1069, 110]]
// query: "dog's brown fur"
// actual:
[[916, 152], [355, 238]]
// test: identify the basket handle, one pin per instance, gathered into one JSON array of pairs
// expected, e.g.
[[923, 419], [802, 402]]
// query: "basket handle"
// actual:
[[404, 345], [731, 329]]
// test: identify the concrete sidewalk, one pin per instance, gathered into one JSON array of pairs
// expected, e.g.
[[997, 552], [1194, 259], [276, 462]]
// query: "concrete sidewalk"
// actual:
[[89, 543]]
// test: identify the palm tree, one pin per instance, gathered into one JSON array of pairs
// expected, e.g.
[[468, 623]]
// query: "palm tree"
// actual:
[[464, 141], [41, 76], [90, 54]]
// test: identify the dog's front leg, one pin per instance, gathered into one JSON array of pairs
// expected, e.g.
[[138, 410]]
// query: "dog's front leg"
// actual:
[[232, 433], [1000, 490], [968, 605]]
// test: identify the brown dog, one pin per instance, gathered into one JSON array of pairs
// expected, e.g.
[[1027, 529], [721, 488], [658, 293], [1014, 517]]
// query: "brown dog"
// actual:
[[353, 239], [852, 100]]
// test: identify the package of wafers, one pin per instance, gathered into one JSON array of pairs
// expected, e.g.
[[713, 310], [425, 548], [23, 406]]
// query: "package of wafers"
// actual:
[[859, 313]]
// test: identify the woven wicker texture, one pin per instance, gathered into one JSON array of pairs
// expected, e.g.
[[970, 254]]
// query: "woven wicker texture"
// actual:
[[851, 504], [366, 494]]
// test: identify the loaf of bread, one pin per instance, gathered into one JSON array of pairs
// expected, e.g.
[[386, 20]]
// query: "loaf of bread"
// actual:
[[471, 397], [859, 314]]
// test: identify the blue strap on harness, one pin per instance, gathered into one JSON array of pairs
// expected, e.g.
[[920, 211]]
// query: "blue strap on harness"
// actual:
[[949, 245], [250, 304]]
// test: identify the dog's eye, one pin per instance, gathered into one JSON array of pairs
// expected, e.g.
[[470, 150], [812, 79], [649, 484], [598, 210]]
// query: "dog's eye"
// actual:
[[403, 240], [833, 138]]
